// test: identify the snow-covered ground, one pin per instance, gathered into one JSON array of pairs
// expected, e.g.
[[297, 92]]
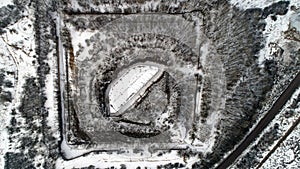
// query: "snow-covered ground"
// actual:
[[17, 50], [283, 122], [246, 4], [129, 85], [274, 33], [50, 91], [288, 154], [5, 2], [274, 29], [16, 55], [130, 161]]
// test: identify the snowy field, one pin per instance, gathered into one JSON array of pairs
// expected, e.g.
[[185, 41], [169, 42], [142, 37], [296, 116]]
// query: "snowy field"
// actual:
[[128, 85]]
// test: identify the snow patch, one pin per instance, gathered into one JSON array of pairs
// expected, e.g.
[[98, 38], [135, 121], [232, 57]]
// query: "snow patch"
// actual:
[[79, 37], [51, 103], [274, 33], [3, 145], [6, 2], [17, 50], [246, 4], [123, 91], [130, 161], [295, 21]]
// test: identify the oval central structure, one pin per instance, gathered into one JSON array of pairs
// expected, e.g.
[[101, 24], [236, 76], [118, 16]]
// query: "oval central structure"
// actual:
[[130, 86]]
